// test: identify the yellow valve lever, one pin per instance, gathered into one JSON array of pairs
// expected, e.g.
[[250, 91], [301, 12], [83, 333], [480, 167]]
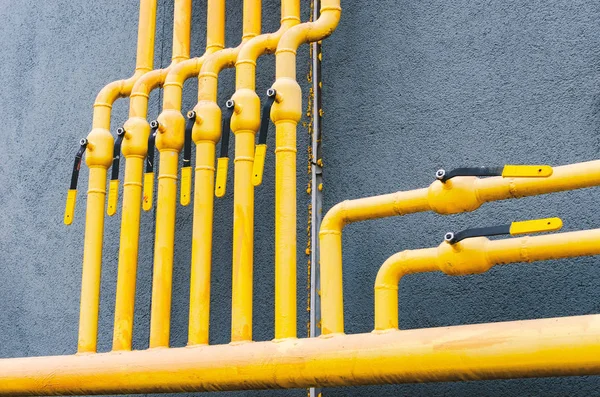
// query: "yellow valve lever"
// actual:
[[113, 196], [521, 227], [186, 185], [148, 191], [72, 194], [536, 226], [259, 164], [70, 207], [221, 186], [526, 171]]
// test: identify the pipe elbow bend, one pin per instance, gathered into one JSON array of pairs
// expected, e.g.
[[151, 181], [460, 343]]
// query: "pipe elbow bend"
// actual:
[[335, 220], [392, 270], [111, 92]]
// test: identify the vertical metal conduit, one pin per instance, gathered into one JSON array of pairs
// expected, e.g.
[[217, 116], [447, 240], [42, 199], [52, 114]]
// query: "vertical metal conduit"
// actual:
[[316, 194]]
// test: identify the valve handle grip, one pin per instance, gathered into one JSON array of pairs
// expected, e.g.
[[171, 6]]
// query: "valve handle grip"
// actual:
[[506, 171], [72, 193], [186, 168], [258, 167], [223, 161], [513, 229], [148, 188], [260, 153], [113, 187]]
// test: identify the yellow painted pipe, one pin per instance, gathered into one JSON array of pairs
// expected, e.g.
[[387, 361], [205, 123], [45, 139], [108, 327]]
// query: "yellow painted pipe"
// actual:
[[99, 158], [457, 195], [565, 346], [206, 134], [135, 149], [171, 118], [286, 113], [473, 256], [244, 125]]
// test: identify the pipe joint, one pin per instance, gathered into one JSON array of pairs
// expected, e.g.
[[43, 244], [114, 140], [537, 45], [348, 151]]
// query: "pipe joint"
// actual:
[[171, 133], [137, 131], [99, 148], [247, 114], [208, 122], [466, 257], [454, 196], [288, 105]]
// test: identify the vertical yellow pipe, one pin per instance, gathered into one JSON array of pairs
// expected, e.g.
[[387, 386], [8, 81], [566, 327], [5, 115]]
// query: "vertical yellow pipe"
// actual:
[[286, 114], [206, 134], [244, 124], [99, 158], [135, 150]]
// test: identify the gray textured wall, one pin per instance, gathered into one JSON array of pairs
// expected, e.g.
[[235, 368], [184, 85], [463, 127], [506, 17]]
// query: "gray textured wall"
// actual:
[[410, 86]]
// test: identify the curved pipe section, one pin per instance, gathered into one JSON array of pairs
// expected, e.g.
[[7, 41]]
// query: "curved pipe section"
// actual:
[[286, 113], [473, 256], [99, 158], [135, 149], [457, 195], [535, 348], [244, 125]]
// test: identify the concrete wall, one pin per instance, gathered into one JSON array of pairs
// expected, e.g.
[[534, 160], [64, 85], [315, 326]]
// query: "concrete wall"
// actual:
[[409, 86]]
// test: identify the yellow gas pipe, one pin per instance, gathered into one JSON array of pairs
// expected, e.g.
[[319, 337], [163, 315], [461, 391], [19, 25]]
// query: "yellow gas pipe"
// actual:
[[135, 149], [98, 159], [244, 125], [456, 195], [565, 346], [286, 113], [206, 133], [473, 256], [171, 118]]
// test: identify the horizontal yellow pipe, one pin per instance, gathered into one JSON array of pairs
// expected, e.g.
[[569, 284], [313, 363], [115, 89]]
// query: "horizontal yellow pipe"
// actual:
[[457, 195], [473, 256], [534, 348]]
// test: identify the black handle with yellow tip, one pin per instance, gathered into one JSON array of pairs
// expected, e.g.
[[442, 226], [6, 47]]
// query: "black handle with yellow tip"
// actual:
[[514, 228], [223, 161], [507, 171], [149, 174], [186, 168], [261, 148], [72, 193], [113, 186]]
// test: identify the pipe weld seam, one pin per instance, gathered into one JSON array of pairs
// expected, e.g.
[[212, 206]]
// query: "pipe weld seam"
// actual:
[[208, 74], [143, 69], [217, 47], [330, 231], [139, 184], [290, 18], [140, 94], [246, 61], [386, 287], [167, 176], [282, 50], [205, 167], [103, 104], [248, 36], [173, 84], [330, 8], [524, 251], [243, 158], [396, 205], [283, 149], [512, 188], [135, 156], [95, 190]]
